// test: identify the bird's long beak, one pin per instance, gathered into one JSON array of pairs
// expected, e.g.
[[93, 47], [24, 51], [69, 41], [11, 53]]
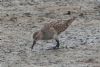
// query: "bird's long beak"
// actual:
[[34, 42]]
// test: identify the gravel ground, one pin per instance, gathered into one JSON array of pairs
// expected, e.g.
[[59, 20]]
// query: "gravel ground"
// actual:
[[80, 43]]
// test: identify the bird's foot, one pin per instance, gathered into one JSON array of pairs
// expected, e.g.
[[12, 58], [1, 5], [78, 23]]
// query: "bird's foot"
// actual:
[[53, 48]]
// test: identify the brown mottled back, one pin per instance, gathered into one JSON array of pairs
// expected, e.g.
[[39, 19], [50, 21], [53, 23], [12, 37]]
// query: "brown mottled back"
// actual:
[[60, 26]]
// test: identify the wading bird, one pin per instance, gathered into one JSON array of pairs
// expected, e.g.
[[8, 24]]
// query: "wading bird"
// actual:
[[51, 31]]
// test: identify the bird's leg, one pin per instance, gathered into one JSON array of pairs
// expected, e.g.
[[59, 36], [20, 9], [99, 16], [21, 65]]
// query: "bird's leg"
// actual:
[[34, 42], [57, 40], [57, 45]]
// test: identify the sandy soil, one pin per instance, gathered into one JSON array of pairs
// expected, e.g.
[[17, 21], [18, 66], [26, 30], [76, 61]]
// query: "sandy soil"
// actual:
[[80, 43]]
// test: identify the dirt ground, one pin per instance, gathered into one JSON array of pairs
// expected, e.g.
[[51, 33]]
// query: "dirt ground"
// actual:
[[79, 44]]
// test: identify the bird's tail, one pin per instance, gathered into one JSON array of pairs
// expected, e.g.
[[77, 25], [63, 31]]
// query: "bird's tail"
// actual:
[[69, 21]]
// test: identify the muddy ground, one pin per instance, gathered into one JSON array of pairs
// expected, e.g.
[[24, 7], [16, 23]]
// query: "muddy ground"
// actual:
[[80, 43]]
